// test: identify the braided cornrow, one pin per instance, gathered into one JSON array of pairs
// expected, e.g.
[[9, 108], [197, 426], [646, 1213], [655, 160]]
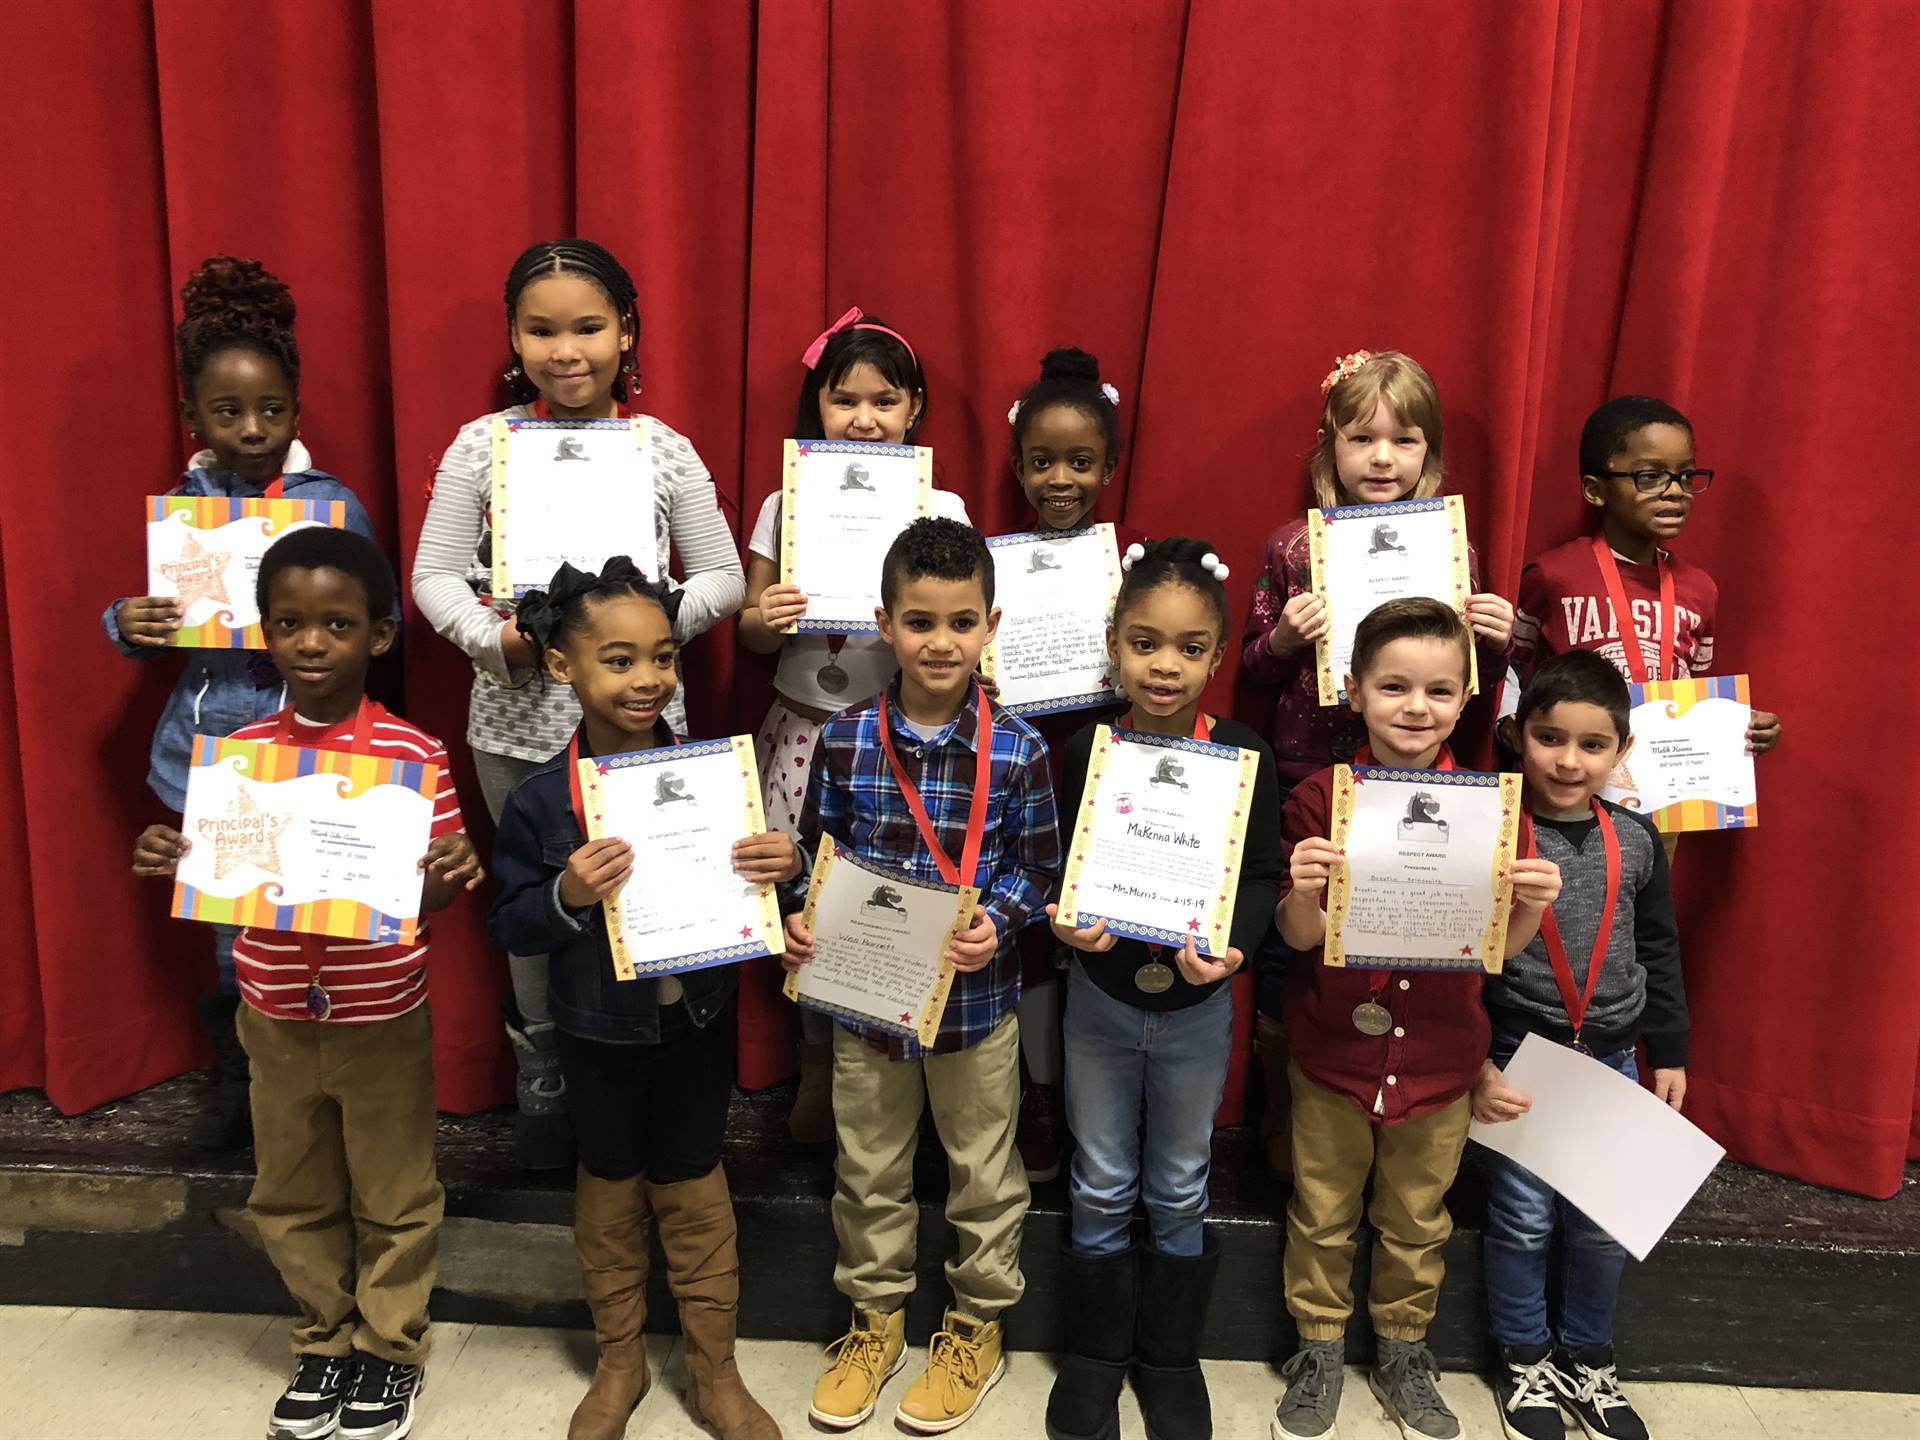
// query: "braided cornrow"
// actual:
[[228, 302], [590, 262]]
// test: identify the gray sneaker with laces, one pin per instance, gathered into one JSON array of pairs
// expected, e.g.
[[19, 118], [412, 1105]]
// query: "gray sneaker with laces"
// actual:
[[1403, 1380], [1314, 1376]]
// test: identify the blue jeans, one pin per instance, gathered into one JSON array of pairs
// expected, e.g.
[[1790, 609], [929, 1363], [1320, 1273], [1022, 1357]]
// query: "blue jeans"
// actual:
[[1120, 1061], [1523, 1213]]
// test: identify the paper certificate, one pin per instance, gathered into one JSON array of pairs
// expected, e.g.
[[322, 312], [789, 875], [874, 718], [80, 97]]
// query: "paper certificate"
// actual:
[[321, 841], [572, 491], [1689, 768], [1427, 877], [205, 551], [842, 503], [1055, 590], [1157, 846], [1365, 555], [879, 945], [1628, 1161], [681, 807]]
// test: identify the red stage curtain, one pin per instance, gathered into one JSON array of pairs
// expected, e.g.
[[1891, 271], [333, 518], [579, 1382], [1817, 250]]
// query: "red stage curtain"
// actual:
[[1546, 202]]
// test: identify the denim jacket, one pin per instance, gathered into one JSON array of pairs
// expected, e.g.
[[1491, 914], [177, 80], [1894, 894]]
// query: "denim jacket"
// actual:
[[536, 834], [221, 690]]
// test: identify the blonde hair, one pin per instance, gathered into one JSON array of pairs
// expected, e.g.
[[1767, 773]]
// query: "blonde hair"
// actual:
[[1404, 384]]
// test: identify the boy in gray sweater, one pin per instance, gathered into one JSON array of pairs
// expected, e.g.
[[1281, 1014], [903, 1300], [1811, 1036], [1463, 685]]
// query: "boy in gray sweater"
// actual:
[[1604, 969]]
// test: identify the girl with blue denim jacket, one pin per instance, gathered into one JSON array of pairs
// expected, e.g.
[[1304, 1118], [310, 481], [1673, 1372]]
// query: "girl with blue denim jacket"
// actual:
[[648, 1062], [240, 396], [1149, 1032]]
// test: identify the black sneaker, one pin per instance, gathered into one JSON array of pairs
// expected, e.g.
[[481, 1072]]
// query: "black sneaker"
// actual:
[[380, 1404], [310, 1405], [1529, 1399], [1590, 1389]]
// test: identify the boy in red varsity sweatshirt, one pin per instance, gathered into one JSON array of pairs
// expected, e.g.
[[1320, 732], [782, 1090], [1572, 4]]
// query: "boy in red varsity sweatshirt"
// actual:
[[346, 1199], [1637, 470], [1384, 1061]]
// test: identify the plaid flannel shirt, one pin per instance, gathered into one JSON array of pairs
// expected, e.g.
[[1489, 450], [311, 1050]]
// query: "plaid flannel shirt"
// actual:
[[854, 798]]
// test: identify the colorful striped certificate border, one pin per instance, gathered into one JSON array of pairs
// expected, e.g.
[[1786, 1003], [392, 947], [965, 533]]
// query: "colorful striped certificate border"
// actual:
[[1055, 590], [1158, 843], [1689, 768], [1365, 555], [681, 807], [842, 503], [574, 492], [325, 842], [1425, 879], [205, 551]]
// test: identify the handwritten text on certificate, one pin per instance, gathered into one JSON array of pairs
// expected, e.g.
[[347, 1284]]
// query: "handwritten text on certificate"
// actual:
[[1427, 871], [205, 551], [842, 503], [571, 491], [1055, 591], [1689, 768]]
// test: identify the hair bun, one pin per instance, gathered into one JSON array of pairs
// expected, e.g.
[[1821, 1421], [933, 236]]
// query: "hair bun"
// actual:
[[226, 286], [1069, 363]]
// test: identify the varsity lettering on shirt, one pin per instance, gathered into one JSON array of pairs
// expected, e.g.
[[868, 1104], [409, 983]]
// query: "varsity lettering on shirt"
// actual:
[[366, 981], [1563, 606]]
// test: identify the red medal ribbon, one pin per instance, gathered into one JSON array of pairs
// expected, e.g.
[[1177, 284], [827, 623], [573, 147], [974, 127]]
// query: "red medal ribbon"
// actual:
[[543, 411], [1668, 641], [276, 487], [969, 865], [1202, 725], [1550, 927]]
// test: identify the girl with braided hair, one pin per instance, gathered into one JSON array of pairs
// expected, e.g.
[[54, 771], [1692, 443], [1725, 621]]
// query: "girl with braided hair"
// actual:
[[573, 328], [240, 397]]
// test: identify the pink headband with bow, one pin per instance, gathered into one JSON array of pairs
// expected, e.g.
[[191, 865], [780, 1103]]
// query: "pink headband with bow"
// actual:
[[849, 321]]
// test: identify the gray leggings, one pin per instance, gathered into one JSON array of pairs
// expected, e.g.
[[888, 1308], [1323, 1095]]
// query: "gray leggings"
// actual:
[[498, 774]]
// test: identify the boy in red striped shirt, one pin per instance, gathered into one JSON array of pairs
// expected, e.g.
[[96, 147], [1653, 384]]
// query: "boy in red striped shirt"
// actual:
[[346, 1199]]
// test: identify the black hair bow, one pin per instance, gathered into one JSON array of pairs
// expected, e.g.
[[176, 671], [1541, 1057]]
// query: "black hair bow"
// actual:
[[542, 614]]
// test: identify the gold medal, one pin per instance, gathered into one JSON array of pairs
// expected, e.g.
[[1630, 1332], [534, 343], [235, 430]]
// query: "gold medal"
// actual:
[[1370, 1018], [1153, 978]]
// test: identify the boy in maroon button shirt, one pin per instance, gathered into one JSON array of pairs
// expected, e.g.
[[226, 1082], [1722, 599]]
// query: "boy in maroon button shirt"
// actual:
[[1391, 1107]]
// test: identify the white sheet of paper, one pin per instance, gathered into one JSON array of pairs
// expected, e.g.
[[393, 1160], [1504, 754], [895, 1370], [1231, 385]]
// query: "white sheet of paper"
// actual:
[[215, 570], [1055, 594], [878, 938], [1154, 863], [1420, 867], [843, 503], [681, 809], [1698, 755], [579, 492], [1372, 559], [1627, 1161], [301, 837]]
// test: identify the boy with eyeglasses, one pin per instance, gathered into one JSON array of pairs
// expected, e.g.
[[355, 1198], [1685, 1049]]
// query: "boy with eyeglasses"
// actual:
[[1637, 470]]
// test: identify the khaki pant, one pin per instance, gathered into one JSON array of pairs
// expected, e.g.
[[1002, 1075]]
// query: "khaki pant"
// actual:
[[877, 1102], [1336, 1147], [346, 1199]]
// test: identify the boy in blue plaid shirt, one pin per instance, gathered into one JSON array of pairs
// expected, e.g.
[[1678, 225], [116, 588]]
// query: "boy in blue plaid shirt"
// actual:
[[937, 613]]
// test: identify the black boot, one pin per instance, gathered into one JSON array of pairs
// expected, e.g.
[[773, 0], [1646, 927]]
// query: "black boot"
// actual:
[[229, 1124], [1100, 1295], [1175, 1291], [542, 1128]]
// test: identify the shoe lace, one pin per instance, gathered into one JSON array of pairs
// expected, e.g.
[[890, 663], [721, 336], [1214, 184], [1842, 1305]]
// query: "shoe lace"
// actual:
[[1533, 1387], [863, 1350], [1599, 1386], [1409, 1376], [317, 1374], [955, 1359], [379, 1382], [1309, 1377]]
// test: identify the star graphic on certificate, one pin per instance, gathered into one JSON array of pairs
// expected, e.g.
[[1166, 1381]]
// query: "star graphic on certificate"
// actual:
[[199, 574], [245, 835]]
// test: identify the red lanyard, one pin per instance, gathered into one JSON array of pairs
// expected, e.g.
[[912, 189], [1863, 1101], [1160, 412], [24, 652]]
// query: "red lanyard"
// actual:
[[1202, 726], [1623, 617], [543, 411], [360, 743], [1550, 927], [1364, 756], [573, 781], [276, 488], [969, 865]]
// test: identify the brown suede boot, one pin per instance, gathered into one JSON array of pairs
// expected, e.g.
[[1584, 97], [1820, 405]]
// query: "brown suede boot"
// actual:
[[810, 1122], [698, 1236], [610, 1234], [1276, 1121]]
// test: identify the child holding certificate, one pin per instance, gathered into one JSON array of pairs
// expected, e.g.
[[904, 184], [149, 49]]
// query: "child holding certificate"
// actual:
[[933, 781], [648, 1062], [1603, 971], [346, 1199], [574, 328], [863, 381], [1637, 470], [240, 388], [1383, 1062], [1148, 1034], [1378, 442]]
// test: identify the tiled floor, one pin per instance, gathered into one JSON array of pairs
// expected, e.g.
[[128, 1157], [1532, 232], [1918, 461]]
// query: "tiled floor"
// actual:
[[155, 1375]]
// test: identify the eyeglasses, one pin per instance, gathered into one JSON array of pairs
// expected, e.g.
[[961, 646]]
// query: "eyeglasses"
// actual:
[[1652, 482]]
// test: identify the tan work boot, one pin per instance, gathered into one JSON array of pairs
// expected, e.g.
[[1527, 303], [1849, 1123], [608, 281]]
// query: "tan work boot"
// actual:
[[701, 1242], [858, 1364], [610, 1235], [963, 1363], [1276, 1120], [810, 1122]]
